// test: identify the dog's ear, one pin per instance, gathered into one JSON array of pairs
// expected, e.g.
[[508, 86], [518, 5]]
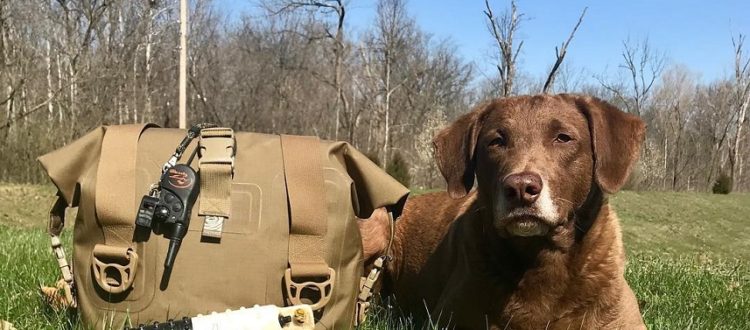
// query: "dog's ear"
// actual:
[[454, 152], [616, 140]]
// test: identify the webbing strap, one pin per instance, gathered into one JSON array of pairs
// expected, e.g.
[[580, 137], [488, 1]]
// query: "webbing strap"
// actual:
[[56, 224], [216, 166], [115, 199], [62, 296], [115, 183], [303, 173]]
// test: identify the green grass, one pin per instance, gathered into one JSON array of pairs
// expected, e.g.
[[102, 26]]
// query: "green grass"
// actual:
[[26, 262], [689, 259], [690, 292], [685, 223]]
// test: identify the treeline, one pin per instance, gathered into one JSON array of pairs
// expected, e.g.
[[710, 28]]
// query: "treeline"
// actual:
[[68, 66]]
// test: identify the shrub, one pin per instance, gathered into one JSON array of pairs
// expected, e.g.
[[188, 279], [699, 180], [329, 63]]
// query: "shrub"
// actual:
[[399, 169], [723, 184]]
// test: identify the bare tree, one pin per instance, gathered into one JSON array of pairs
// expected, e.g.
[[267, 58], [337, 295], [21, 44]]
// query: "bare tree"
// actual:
[[714, 104], [503, 30], [389, 45], [560, 55], [337, 8], [741, 101], [675, 98], [570, 79], [643, 66], [85, 63]]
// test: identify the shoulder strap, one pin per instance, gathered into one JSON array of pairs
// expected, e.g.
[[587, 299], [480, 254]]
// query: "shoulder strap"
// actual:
[[115, 182], [303, 173]]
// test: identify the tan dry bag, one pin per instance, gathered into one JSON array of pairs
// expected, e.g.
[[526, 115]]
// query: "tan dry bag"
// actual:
[[275, 217]]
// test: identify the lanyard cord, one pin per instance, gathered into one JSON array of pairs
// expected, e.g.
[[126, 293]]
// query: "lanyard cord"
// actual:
[[192, 133]]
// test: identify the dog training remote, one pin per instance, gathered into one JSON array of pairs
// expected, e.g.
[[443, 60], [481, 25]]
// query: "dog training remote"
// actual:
[[178, 193]]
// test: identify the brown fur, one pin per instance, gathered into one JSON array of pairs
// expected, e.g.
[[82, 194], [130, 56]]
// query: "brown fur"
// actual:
[[454, 256]]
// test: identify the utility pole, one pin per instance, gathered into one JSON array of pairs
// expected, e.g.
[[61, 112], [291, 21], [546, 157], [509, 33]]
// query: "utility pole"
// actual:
[[183, 63]]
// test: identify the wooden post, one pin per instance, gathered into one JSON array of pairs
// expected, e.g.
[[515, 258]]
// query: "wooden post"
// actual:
[[183, 63]]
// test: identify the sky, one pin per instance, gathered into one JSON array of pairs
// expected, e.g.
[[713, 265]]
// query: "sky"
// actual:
[[694, 33]]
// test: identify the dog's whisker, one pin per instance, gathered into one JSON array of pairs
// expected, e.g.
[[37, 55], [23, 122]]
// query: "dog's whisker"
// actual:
[[564, 200], [508, 323]]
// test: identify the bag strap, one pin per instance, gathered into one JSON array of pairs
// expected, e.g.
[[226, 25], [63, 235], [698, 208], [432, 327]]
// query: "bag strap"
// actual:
[[303, 174], [115, 182], [62, 296], [115, 202], [216, 166], [307, 205]]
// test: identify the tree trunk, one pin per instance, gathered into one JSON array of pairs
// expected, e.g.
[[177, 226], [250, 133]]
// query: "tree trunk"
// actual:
[[73, 93], [738, 185], [135, 88], [9, 109], [742, 85], [664, 178], [149, 39], [736, 153], [60, 115], [48, 60], [24, 102], [676, 160], [387, 109]]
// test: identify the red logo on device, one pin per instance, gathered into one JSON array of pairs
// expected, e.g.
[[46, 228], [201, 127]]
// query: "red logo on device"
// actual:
[[179, 179]]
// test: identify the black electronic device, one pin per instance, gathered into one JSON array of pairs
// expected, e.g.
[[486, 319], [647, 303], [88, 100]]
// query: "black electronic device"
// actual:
[[169, 205]]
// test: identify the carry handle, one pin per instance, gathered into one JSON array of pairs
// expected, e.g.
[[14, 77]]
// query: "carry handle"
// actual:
[[303, 174]]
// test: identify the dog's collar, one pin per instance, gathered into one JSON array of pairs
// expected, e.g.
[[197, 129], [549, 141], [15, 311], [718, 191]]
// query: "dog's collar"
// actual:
[[584, 217]]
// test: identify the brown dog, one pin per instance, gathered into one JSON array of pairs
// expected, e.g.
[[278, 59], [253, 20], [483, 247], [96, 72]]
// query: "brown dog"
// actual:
[[536, 245]]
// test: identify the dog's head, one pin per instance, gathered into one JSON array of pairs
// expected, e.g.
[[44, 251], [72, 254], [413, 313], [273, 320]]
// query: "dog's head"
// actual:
[[536, 158]]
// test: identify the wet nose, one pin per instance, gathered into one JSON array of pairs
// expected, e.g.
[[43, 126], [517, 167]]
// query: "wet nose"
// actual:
[[523, 187]]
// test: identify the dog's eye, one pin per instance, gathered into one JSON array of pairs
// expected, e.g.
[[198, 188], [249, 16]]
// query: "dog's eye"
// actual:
[[499, 141], [563, 138]]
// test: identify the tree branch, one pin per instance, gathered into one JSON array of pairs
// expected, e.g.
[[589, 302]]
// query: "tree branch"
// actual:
[[503, 33], [560, 55], [34, 109]]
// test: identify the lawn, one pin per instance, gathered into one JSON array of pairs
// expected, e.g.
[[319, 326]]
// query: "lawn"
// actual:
[[689, 259]]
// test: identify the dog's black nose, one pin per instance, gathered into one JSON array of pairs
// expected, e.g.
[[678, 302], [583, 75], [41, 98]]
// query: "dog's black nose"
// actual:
[[523, 187]]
